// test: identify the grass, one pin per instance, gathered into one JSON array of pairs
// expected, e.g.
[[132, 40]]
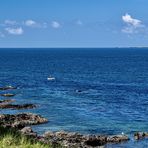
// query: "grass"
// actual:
[[9, 138]]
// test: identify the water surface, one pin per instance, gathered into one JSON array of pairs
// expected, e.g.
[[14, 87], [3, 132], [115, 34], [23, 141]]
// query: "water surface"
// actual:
[[95, 91]]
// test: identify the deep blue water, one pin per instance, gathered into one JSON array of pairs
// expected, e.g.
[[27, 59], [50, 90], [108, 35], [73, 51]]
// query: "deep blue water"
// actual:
[[113, 85]]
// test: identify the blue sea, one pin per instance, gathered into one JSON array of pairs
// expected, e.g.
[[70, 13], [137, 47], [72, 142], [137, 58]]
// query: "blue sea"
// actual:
[[95, 91]]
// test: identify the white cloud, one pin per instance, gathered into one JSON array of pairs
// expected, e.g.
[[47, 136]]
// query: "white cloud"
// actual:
[[132, 25], [10, 22], [131, 21], [15, 31], [55, 24], [30, 23], [34, 24]]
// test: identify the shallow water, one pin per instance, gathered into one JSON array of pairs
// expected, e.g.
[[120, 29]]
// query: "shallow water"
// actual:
[[96, 90]]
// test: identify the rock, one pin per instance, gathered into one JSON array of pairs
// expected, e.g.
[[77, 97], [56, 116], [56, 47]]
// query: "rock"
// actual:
[[74, 139], [62, 135], [6, 101], [63, 138], [15, 106], [140, 135], [117, 138], [7, 95], [96, 141], [21, 120], [27, 131], [7, 88]]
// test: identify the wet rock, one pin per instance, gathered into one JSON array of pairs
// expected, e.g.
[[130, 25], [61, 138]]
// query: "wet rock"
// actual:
[[62, 135], [27, 131], [21, 120], [6, 101], [63, 138], [7, 95], [15, 106], [74, 139], [7, 88], [140, 135], [96, 141], [117, 138]]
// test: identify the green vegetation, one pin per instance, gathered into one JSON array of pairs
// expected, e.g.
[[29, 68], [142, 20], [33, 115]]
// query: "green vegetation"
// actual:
[[10, 138]]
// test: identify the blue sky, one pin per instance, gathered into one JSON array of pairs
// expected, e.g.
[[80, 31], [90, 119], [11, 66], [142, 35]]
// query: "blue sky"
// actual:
[[73, 23]]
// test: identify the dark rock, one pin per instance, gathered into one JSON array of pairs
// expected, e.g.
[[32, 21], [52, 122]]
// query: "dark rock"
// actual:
[[15, 106], [27, 131], [6, 101], [117, 138], [96, 141], [7, 95], [140, 135], [21, 120], [7, 88], [74, 139], [63, 138]]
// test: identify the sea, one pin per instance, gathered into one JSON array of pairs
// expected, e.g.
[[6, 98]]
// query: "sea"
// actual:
[[93, 91]]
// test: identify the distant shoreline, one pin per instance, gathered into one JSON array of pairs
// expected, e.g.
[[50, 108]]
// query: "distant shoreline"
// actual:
[[73, 48]]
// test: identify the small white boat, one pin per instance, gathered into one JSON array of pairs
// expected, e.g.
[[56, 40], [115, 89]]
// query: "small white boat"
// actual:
[[50, 78]]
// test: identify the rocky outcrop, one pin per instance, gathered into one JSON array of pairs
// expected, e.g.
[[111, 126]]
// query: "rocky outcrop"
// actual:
[[8, 95], [15, 106], [78, 140], [8, 88], [21, 120], [27, 131], [94, 140], [140, 135], [117, 138]]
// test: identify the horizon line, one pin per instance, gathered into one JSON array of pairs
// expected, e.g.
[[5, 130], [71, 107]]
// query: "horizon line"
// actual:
[[68, 47]]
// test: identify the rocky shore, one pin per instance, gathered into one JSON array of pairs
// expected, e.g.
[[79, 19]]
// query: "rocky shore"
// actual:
[[16, 106], [20, 122]]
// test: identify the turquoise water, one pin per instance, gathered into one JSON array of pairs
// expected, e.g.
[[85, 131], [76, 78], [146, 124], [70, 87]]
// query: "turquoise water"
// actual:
[[95, 90]]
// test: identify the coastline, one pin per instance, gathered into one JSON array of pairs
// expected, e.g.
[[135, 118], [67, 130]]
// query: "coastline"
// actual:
[[20, 122]]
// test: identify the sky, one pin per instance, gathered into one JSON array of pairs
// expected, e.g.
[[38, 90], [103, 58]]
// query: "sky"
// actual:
[[73, 23]]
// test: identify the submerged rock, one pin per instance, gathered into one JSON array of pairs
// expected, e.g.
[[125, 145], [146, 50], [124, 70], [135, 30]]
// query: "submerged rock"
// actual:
[[7, 95], [8, 87], [15, 106], [117, 138], [78, 91], [140, 135], [6, 101], [21, 120]]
